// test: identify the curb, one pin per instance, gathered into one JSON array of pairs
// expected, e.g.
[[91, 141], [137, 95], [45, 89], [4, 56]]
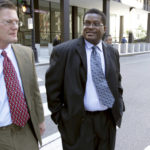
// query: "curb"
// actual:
[[121, 55], [136, 53], [41, 64], [50, 139]]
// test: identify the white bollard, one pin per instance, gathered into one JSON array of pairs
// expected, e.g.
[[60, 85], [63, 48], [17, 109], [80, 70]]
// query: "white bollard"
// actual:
[[142, 47], [137, 47], [37, 46], [123, 48], [148, 46], [130, 47]]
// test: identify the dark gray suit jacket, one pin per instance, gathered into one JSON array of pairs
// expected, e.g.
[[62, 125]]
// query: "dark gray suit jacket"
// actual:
[[66, 81]]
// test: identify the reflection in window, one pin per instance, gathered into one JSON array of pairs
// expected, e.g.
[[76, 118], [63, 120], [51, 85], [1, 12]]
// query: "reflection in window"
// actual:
[[81, 12], [55, 20], [24, 34], [44, 22], [80, 20], [44, 26]]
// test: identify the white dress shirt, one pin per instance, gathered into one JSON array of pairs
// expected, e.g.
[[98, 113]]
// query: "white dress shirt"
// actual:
[[5, 116], [91, 100]]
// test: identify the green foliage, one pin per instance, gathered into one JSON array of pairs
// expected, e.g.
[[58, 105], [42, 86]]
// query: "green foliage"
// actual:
[[140, 32]]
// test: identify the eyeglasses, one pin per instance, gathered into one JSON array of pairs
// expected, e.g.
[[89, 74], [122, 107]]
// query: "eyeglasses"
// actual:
[[94, 24], [10, 22]]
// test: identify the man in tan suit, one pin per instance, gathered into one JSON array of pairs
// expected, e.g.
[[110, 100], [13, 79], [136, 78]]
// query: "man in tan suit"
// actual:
[[21, 111]]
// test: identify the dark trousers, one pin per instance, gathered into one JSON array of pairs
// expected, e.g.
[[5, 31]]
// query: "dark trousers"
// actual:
[[97, 132], [101, 130]]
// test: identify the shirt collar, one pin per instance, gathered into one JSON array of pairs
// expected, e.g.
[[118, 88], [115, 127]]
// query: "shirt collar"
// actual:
[[90, 45], [7, 49]]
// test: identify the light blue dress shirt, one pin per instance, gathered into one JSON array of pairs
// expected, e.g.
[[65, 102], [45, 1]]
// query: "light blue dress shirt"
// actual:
[[5, 116], [91, 101]]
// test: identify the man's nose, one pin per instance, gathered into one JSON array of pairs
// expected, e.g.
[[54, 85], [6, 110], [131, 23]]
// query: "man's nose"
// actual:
[[15, 26], [91, 25]]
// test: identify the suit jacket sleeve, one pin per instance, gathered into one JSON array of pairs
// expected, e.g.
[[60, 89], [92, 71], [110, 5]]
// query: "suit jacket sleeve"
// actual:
[[54, 82], [120, 89], [38, 102]]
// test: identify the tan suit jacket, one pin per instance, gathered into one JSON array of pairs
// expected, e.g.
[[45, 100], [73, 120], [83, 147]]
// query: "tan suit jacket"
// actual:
[[25, 59]]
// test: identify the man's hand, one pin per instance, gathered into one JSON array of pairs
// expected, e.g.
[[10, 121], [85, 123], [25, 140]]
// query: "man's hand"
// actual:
[[42, 127]]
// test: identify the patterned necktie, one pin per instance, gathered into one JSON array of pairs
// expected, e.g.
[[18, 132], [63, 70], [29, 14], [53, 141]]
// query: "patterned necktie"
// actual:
[[102, 89], [17, 103]]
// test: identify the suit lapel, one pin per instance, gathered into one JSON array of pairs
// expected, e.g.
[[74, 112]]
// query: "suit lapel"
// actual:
[[107, 59], [20, 59], [80, 48], [23, 62]]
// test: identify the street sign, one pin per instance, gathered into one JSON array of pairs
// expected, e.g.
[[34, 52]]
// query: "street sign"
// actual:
[[30, 23]]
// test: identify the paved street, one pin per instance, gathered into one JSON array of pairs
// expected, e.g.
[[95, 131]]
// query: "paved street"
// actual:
[[135, 130]]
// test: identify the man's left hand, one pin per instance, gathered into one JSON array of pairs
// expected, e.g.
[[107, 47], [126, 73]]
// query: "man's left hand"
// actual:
[[42, 127]]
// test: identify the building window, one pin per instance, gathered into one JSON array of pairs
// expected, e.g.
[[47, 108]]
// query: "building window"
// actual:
[[55, 20], [24, 33], [80, 20], [44, 22]]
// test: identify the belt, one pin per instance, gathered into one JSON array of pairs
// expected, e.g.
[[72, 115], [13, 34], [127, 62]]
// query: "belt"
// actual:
[[97, 112], [7, 127], [13, 126]]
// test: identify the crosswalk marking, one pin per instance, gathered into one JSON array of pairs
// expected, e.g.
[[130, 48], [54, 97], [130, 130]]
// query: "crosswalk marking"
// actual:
[[42, 89], [46, 110], [55, 145], [52, 141], [51, 138], [45, 107], [39, 79], [147, 148]]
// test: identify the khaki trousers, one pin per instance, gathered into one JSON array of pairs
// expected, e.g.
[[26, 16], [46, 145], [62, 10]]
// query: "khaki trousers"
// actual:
[[17, 138]]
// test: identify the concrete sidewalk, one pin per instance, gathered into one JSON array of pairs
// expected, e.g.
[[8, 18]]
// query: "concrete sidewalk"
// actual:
[[52, 142], [53, 145], [44, 60]]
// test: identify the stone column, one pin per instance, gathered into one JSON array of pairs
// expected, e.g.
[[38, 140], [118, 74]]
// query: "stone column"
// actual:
[[64, 11], [148, 28], [74, 22], [121, 28], [37, 23], [106, 10]]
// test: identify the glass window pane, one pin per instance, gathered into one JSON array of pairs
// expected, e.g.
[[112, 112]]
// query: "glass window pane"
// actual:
[[55, 20], [44, 21], [80, 20]]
